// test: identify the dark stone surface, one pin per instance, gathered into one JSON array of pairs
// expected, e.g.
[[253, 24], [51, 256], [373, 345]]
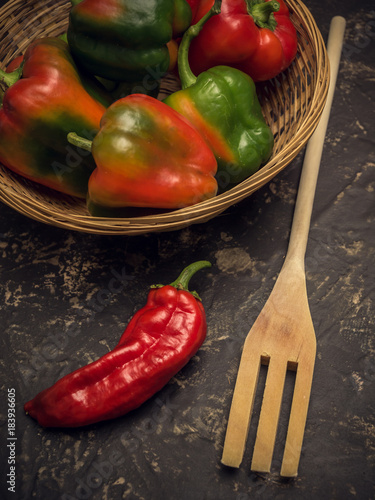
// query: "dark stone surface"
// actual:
[[53, 280]]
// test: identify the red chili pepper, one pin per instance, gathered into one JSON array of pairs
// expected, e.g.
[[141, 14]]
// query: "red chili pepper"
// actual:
[[255, 36], [158, 341]]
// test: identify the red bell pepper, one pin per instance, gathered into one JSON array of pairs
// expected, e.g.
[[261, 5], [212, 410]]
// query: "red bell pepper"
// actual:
[[255, 36], [46, 98], [158, 341], [199, 8]]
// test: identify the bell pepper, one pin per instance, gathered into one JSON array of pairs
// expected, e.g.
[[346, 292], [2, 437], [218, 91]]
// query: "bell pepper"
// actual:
[[92, 85], [222, 104], [159, 340], [199, 8], [255, 36], [123, 40], [44, 100], [147, 155], [117, 90]]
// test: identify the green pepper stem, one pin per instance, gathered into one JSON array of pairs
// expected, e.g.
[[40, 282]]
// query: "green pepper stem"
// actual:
[[78, 141], [64, 37], [262, 12], [8, 79], [187, 77], [182, 282]]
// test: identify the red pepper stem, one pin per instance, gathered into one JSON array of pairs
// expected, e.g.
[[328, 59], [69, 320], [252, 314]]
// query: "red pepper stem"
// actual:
[[182, 282], [262, 12], [78, 141], [187, 77]]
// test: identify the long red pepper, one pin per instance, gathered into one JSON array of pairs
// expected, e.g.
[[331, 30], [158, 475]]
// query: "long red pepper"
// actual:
[[158, 341]]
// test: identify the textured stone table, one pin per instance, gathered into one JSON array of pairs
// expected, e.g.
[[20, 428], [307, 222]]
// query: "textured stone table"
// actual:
[[60, 308]]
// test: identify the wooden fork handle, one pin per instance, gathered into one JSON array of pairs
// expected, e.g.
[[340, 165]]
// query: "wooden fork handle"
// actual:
[[314, 149]]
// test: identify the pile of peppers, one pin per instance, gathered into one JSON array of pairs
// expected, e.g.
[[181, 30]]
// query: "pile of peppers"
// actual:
[[80, 113]]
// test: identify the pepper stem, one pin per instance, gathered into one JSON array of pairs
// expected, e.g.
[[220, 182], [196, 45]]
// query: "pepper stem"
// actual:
[[78, 141], [187, 77], [8, 79], [182, 282], [262, 12]]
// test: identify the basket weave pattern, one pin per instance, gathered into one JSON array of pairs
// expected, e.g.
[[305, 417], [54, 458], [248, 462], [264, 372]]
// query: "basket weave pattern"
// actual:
[[292, 104]]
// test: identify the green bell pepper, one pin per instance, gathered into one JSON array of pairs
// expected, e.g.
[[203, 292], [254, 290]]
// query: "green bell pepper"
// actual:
[[123, 40], [223, 106]]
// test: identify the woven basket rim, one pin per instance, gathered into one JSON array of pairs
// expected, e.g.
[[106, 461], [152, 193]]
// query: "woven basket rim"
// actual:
[[49, 213]]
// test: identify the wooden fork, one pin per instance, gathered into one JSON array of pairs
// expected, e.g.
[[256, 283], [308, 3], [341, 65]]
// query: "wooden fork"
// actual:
[[283, 335]]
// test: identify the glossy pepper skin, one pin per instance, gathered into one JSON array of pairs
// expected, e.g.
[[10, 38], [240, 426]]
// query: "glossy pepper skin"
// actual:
[[38, 111], [123, 40], [199, 8], [222, 104], [158, 341], [149, 156], [92, 85], [255, 36]]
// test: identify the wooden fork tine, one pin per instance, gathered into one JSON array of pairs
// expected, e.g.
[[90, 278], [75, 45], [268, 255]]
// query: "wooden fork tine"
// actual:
[[298, 415], [269, 415], [242, 407]]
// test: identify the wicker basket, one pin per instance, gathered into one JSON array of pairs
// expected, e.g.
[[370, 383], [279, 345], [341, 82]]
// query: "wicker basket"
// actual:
[[292, 104]]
